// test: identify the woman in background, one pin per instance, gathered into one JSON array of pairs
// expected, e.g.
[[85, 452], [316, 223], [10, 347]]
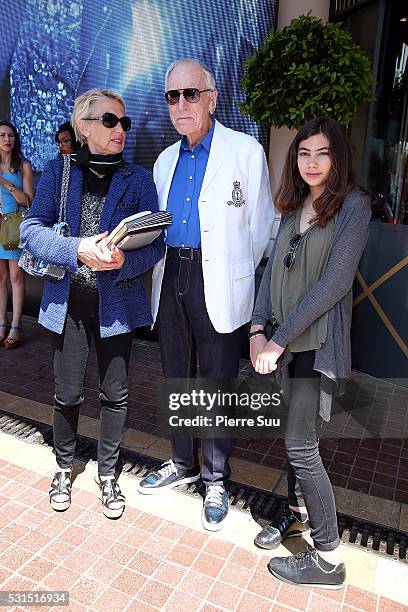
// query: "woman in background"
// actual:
[[307, 287], [16, 195], [66, 139]]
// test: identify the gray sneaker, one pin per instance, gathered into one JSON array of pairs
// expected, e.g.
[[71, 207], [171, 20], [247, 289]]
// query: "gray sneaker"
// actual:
[[167, 476], [284, 526], [215, 509], [308, 569]]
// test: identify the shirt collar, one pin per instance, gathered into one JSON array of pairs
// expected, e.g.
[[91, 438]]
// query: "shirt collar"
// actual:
[[205, 142]]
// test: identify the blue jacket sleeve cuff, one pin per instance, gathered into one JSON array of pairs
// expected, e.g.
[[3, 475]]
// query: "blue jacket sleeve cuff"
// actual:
[[72, 254], [127, 271]]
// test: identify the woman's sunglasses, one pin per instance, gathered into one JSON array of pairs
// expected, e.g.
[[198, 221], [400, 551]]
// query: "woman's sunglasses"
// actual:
[[110, 120], [290, 257], [190, 94]]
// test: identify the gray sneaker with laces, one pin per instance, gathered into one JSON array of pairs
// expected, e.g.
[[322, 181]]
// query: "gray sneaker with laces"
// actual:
[[165, 477], [215, 508], [307, 568]]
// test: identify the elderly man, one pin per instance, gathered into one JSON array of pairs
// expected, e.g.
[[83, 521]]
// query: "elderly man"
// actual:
[[215, 182]]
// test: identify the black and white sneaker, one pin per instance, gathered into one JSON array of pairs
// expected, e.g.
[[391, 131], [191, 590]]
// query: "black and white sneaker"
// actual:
[[60, 490], [308, 569], [112, 498], [165, 477]]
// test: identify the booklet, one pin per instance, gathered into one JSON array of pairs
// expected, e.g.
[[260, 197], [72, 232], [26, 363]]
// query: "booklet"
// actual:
[[139, 230]]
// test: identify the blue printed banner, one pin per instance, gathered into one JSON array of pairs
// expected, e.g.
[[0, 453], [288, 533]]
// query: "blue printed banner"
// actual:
[[53, 50]]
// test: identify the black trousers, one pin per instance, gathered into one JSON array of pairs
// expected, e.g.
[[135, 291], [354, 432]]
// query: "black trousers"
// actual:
[[185, 333], [308, 482], [70, 356]]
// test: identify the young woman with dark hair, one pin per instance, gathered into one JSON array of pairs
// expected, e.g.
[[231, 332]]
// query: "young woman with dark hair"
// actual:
[[16, 194], [307, 287]]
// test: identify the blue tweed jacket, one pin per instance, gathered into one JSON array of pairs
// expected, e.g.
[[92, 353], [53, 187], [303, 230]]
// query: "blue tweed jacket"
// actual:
[[123, 303]]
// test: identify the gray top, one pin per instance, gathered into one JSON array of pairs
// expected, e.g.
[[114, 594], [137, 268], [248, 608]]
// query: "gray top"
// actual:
[[332, 294], [91, 211], [308, 264]]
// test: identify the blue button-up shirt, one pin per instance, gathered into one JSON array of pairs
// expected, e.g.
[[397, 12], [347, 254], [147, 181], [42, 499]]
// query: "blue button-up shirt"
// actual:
[[185, 191]]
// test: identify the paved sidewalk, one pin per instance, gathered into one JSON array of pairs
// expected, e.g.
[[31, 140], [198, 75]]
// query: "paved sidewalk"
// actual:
[[148, 562]]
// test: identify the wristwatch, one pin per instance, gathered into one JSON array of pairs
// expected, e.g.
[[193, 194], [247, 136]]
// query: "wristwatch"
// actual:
[[11, 188]]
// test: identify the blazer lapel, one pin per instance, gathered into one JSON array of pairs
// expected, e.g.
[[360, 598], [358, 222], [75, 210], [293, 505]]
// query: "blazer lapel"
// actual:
[[117, 188], [168, 179], [74, 199], [215, 158]]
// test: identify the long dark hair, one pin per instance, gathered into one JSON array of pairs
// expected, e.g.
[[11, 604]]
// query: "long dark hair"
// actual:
[[16, 155], [293, 189]]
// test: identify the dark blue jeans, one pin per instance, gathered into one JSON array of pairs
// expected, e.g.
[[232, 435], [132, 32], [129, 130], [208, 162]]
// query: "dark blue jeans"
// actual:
[[308, 482], [185, 333], [71, 351]]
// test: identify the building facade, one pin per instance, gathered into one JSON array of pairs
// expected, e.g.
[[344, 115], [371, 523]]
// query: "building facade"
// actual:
[[380, 129]]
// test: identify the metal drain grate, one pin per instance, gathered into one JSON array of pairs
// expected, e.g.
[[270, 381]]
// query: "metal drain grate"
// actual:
[[262, 505]]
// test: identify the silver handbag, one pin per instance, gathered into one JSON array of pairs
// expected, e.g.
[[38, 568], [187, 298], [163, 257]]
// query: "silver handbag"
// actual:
[[35, 266]]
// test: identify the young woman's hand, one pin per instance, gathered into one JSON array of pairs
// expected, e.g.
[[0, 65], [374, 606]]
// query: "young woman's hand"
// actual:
[[256, 346], [266, 360]]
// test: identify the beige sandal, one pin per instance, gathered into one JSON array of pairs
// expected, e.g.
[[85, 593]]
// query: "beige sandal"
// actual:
[[13, 343], [5, 325]]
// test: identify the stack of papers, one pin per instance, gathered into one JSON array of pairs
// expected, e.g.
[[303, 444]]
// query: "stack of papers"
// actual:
[[139, 230]]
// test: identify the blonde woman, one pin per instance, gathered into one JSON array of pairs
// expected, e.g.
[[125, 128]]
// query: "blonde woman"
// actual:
[[101, 297]]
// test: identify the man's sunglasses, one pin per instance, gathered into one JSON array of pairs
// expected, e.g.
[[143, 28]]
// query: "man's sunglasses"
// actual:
[[110, 120], [290, 257], [191, 94]]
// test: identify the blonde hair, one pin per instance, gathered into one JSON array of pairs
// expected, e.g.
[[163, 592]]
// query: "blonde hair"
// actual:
[[83, 105]]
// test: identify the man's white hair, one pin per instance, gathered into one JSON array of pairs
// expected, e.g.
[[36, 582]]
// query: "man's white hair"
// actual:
[[208, 75]]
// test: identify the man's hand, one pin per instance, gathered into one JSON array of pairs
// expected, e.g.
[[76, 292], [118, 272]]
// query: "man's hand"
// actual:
[[267, 358], [93, 256]]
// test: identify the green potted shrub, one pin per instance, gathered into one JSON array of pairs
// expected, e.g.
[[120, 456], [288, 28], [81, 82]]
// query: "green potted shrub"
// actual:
[[309, 69]]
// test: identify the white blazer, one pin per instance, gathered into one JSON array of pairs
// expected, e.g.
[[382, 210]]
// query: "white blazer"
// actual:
[[236, 217]]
